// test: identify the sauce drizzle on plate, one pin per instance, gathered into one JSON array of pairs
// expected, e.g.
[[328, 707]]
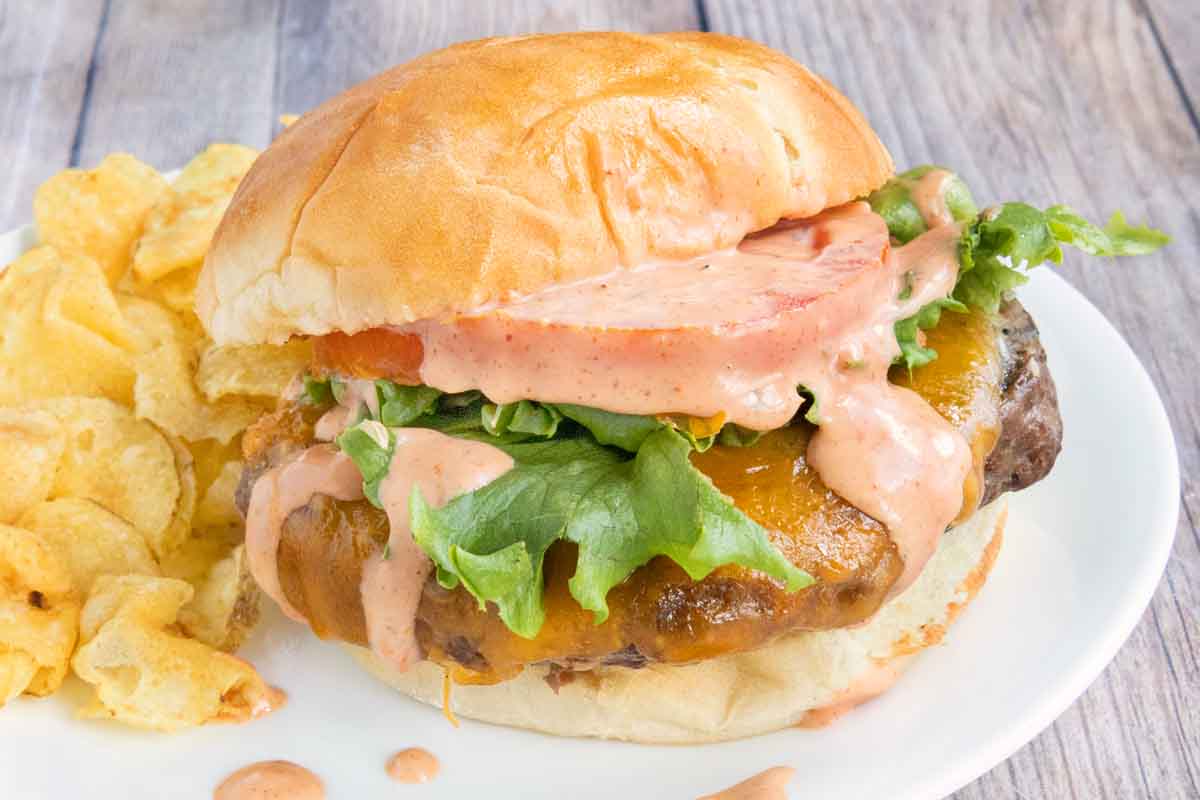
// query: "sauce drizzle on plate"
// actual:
[[413, 765], [769, 784], [271, 780]]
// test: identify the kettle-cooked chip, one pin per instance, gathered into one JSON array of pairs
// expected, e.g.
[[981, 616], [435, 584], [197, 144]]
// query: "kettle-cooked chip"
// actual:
[[63, 333], [165, 392], [121, 463], [181, 224], [153, 323], [180, 526], [210, 457], [217, 507], [39, 615], [31, 443], [99, 211], [261, 370], [90, 540], [148, 676], [176, 238], [215, 172], [225, 607], [177, 291], [226, 604], [192, 561]]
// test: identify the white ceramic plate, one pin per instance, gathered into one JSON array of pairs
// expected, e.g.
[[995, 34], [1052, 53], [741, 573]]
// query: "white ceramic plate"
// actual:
[[1083, 553]]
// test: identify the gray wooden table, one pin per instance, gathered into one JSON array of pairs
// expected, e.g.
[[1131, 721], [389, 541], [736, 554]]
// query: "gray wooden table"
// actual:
[[1089, 102]]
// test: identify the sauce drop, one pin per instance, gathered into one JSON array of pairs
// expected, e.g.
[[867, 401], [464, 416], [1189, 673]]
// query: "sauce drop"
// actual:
[[413, 765], [769, 784], [271, 780]]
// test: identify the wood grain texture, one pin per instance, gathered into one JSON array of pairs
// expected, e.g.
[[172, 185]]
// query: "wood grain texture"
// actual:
[[1174, 24], [1059, 102], [326, 46], [46, 49], [170, 77], [1088, 102]]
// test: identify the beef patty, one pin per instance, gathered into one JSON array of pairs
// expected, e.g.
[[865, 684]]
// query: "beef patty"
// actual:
[[990, 380]]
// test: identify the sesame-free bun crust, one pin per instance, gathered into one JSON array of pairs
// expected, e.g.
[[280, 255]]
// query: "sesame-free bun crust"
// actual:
[[506, 165], [795, 681]]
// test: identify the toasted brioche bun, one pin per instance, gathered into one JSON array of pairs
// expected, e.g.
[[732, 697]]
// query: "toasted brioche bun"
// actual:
[[795, 681], [505, 165]]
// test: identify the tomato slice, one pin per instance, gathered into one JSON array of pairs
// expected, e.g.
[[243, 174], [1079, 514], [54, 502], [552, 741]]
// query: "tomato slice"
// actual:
[[373, 353]]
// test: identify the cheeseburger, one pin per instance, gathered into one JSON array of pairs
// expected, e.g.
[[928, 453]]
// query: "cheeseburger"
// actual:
[[647, 402]]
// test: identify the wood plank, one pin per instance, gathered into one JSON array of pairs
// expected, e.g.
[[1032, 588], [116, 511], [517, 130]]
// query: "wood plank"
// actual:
[[327, 46], [1176, 26], [1057, 102], [47, 47], [170, 78]]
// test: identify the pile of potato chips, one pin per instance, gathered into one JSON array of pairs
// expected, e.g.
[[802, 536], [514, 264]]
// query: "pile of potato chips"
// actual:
[[120, 428]]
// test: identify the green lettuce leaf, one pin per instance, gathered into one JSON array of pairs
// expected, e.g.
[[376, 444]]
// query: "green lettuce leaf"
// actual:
[[370, 445], [620, 511], [626, 431], [525, 416], [316, 392], [400, 405], [812, 405], [338, 389], [1117, 238], [912, 353], [520, 421], [996, 248], [736, 436]]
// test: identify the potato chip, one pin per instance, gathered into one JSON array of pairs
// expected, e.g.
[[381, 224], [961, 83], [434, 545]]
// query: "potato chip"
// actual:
[[165, 392], [177, 291], [226, 606], [31, 443], [63, 332], [146, 675], [209, 458], [90, 541], [217, 507], [176, 242], [256, 370], [39, 615], [152, 322], [181, 225], [99, 211], [121, 463], [204, 547], [216, 172], [180, 526]]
